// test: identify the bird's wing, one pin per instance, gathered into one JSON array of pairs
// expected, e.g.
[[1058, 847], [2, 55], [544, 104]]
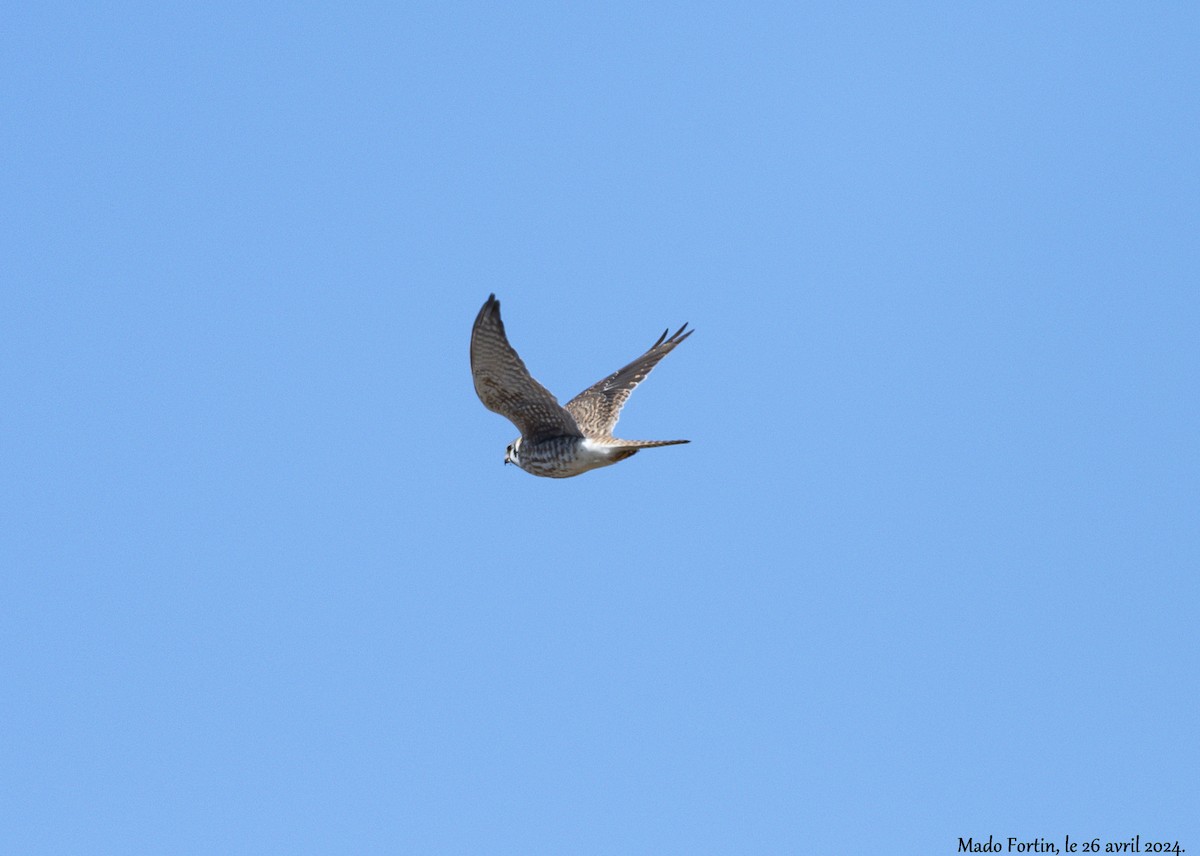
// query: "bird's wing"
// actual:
[[598, 407], [505, 386]]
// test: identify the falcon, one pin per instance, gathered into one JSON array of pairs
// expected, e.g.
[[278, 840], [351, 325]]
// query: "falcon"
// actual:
[[556, 441]]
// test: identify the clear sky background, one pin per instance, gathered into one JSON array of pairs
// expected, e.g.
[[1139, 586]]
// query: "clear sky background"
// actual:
[[928, 568]]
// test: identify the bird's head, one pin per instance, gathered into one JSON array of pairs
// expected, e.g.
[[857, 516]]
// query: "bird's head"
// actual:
[[512, 455]]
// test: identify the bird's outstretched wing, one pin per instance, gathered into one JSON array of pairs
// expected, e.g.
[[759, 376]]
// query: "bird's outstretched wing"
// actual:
[[598, 407], [505, 386]]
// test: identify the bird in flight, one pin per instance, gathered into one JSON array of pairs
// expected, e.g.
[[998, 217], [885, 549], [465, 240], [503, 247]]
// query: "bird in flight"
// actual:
[[556, 441]]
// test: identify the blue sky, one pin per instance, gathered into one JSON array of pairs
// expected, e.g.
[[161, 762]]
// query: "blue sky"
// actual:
[[927, 569]]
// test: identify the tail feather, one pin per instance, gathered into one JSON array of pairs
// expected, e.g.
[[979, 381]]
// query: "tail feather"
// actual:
[[645, 444]]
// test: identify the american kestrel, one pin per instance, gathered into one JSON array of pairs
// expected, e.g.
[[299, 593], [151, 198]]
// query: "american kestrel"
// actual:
[[556, 441]]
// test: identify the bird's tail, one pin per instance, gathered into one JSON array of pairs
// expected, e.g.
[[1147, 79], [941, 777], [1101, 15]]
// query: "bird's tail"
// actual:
[[645, 444], [628, 448]]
